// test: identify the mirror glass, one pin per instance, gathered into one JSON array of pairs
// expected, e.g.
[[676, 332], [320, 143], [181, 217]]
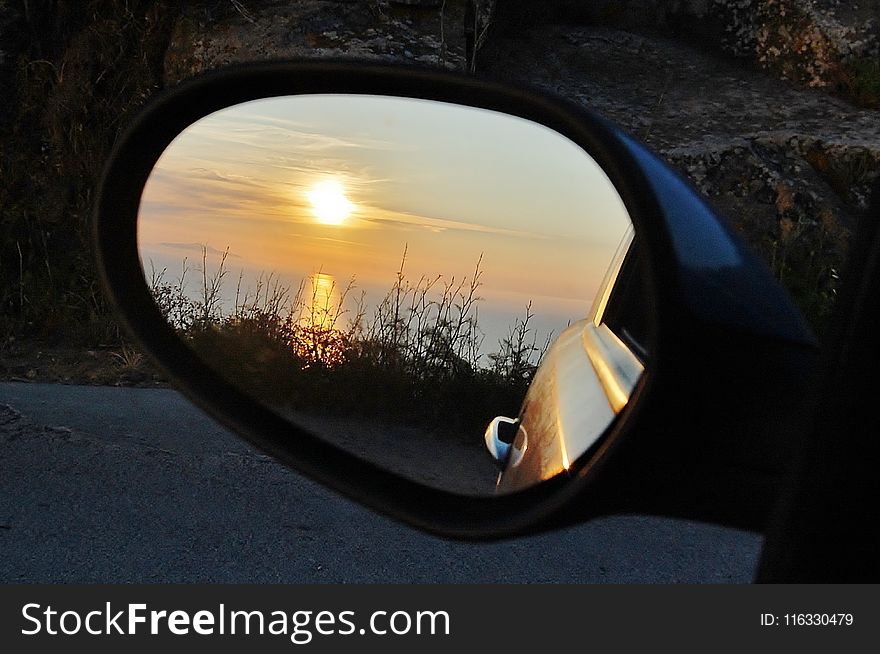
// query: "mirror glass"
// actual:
[[389, 273]]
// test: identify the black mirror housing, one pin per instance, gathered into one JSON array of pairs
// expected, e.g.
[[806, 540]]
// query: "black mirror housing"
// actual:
[[728, 353]]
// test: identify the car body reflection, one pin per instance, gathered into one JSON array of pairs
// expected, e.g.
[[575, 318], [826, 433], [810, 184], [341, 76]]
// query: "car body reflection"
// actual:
[[585, 380]]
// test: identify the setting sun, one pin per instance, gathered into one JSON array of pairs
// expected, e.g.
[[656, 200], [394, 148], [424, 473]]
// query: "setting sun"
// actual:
[[329, 203]]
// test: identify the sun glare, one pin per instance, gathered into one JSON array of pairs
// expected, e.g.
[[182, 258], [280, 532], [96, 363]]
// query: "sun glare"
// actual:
[[329, 203]]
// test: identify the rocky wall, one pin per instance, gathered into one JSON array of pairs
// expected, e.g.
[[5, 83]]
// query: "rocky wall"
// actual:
[[817, 43], [417, 32]]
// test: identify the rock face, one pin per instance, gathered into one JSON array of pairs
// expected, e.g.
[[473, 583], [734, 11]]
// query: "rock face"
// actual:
[[818, 43], [828, 44], [426, 33]]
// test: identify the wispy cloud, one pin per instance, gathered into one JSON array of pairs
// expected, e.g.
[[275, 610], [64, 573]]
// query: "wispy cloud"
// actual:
[[384, 216], [267, 133], [326, 239], [198, 247]]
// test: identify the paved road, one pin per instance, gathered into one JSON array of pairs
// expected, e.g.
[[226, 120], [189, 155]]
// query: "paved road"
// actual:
[[137, 485]]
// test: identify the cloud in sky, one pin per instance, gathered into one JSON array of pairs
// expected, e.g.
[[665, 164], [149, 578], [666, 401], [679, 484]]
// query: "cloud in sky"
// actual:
[[199, 247], [399, 218], [257, 132]]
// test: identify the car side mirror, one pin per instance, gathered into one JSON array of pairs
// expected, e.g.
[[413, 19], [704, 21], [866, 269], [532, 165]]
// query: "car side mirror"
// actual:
[[358, 268]]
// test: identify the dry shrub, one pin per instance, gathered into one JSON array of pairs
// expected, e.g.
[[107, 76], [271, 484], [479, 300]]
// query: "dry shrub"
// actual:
[[416, 355]]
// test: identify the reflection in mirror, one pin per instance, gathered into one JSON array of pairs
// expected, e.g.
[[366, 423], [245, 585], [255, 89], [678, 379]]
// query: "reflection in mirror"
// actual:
[[388, 273]]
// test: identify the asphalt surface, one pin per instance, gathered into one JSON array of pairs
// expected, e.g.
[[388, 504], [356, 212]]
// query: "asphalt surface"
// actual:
[[112, 485]]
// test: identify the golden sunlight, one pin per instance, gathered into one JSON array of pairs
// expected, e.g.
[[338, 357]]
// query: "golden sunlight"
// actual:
[[323, 306], [329, 203]]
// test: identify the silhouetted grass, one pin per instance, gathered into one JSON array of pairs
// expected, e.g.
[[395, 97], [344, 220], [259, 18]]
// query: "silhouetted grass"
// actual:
[[417, 355]]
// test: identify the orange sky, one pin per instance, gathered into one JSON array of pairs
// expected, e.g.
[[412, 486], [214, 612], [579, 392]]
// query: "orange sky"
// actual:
[[447, 183]]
